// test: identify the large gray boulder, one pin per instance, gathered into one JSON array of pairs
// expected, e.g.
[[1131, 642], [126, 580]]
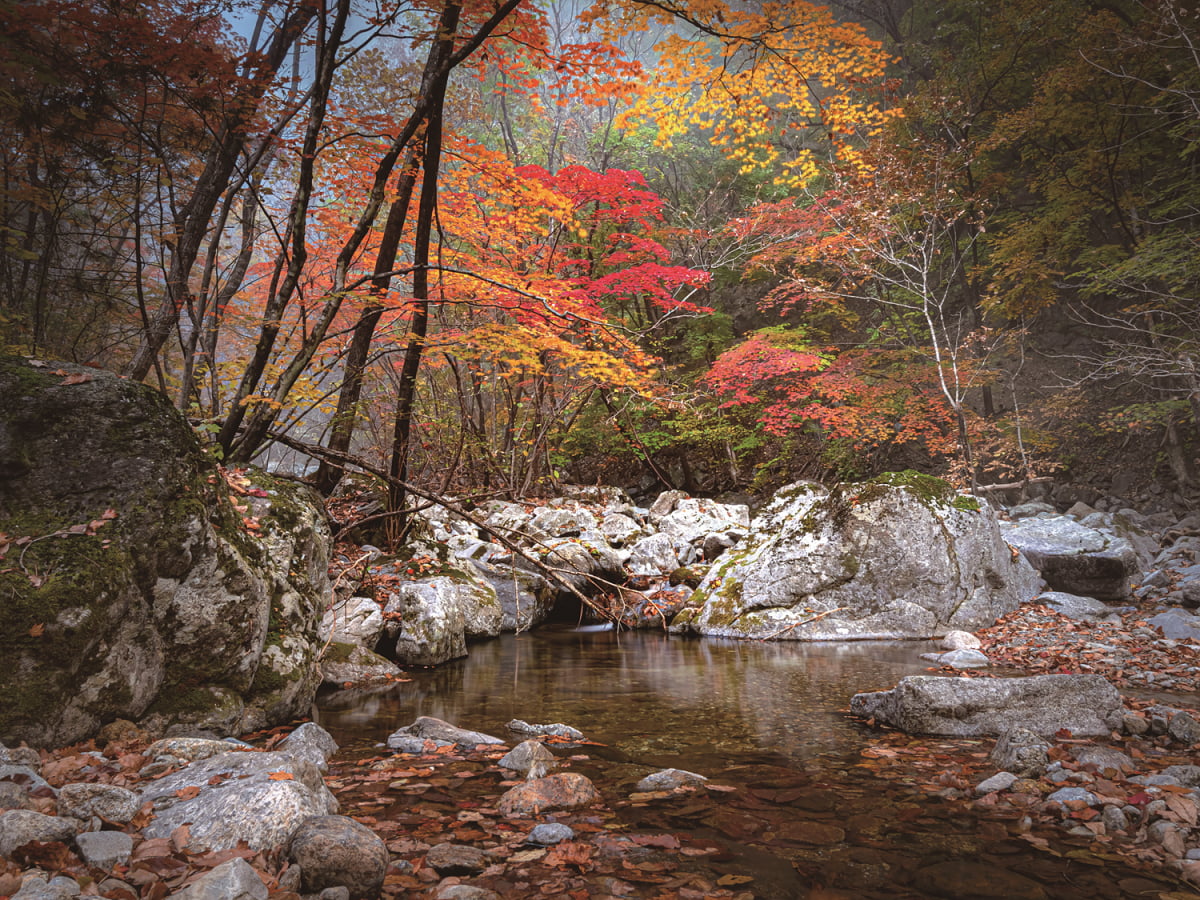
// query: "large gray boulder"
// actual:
[[903, 556], [437, 615], [141, 582], [1074, 558], [259, 798], [1085, 705]]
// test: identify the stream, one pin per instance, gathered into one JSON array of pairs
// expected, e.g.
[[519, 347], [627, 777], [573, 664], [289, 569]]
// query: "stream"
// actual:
[[808, 819]]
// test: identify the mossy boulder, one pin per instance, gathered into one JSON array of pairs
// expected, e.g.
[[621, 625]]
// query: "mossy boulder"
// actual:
[[903, 556], [131, 583]]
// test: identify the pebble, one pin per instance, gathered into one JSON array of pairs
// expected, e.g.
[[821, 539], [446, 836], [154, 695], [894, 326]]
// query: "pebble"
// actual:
[[550, 833]]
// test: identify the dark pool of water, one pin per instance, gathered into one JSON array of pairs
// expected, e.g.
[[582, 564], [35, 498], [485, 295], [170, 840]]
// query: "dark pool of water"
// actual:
[[767, 717], [660, 701]]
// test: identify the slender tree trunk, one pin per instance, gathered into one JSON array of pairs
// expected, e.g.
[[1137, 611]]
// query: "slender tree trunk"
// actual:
[[342, 432], [191, 224], [419, 323]]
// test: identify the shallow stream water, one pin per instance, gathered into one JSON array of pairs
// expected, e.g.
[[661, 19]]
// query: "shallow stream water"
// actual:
[[808, 820]]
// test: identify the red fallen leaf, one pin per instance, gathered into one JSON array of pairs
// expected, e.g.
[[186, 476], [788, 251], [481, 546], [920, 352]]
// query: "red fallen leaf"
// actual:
[[281, 776], [218, 778], [663, 841], [53, 856], [188, 792], [78, 378], [214, 858], [180, 837], [570, 853], [1141, 798], [37, 630], [109, 513], [155, 847], [158, 891]]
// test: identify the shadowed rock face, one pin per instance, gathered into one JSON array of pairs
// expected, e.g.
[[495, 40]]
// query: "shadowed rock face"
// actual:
[[132, 588], [890, 559], [1074, 558]]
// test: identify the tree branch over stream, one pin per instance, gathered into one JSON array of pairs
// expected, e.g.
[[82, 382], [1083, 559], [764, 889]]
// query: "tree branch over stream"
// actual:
[[553, 574]]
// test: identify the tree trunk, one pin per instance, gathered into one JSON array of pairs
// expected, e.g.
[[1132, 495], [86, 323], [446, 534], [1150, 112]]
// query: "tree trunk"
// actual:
[[419, 324]]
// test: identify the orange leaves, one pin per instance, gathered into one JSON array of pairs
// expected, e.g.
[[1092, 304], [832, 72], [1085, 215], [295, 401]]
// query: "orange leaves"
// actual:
[[787, 71]]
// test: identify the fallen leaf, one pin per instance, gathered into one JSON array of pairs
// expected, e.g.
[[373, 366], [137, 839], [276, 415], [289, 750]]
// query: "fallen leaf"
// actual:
[[37, 630], [188, 792], [729, 880], [77, 378], [281, 776]]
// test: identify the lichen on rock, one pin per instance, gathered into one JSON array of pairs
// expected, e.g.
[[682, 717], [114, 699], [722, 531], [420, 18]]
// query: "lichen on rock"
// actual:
[[134, 588]]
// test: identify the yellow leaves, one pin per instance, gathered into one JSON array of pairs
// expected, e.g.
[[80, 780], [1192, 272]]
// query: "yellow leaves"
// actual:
[[790, 69]]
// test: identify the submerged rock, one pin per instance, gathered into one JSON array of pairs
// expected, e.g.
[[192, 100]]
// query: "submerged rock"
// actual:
[[567, 790], [428, 728]]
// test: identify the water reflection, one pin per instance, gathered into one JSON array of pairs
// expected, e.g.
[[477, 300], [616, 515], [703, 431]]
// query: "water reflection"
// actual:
[[658, 700]]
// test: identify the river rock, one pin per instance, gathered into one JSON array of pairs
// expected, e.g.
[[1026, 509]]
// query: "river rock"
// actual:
[[26, 777], [20, 826], [13, 796], [557, 729], [256, 797], [58, 888], [1177, 624], [335, 850], [587, 566], [104, 849], [456, 859], [232, 880], [1184, 728], [353, 620], [563, 522], [669, 780], [350, 664], [566, 790], [311, 742], [1085, 705], [158, 585], [653, 555], [108, 801], [903, 556], [1086, 609], [526, 598], [1001, 781], [1021, 751], [436, 615], [691, 519], [549, 833], [429, 728], [960, 640], [959, 659], [529, 758], [620, 530], [1073, 558]]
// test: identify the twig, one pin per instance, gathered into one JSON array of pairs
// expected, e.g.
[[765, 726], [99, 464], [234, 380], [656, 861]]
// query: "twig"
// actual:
[[343, 459], [827, 612]]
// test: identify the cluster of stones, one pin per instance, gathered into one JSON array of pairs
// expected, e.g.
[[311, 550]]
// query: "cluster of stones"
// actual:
[[1025, 714], [223, 794], [900, 557], [1095, 564]]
